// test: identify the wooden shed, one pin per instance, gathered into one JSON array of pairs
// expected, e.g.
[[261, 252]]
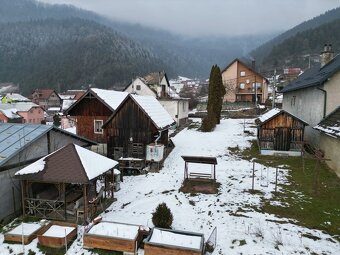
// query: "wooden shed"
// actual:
[[173, 242], [279, 131], [137, 122]]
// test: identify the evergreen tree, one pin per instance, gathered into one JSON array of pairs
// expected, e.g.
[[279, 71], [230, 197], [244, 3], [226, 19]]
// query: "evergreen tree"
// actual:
[[215, 100], [220, 91], [162, 217]]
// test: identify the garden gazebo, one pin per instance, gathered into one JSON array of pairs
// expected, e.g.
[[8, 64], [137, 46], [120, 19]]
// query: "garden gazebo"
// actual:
[[67, 183]]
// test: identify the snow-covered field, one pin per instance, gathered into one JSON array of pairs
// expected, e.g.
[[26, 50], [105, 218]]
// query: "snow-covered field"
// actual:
[[240, 230]]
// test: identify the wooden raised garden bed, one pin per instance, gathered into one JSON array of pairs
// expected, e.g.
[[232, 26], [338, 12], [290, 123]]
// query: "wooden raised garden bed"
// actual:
[[172, 242], [25, 232], [54, 236], [114, 236]]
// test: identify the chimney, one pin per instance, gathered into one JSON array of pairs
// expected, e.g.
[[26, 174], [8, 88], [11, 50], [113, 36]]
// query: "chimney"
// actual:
[[326, 55], [253, 64]]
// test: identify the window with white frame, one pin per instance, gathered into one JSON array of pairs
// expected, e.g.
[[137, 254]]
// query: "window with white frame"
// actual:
[[242, 85], [98, 126], [242, 73]]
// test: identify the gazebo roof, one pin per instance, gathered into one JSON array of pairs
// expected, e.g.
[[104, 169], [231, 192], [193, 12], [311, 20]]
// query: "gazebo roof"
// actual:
[[70, 164], [200, 159]]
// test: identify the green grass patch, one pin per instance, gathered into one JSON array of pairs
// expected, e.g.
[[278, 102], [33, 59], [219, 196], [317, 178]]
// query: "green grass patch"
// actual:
[[312, 201]]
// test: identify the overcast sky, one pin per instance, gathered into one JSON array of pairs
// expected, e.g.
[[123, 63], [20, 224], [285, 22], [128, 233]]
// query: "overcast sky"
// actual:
[[209, 17]]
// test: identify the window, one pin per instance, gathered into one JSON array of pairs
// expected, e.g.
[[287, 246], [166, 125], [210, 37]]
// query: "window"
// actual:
[[242, 85], [292, 101], [137, 87], [242, 73], [98, 126]]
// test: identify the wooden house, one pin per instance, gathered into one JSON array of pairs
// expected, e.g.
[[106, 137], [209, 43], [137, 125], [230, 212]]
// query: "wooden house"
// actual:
[[92, 110], [243, 83], [20, 145], [137, 122], [63, 185], [280, 132]]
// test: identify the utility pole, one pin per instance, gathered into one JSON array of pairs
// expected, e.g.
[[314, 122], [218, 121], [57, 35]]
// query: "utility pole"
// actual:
[[274, 88]]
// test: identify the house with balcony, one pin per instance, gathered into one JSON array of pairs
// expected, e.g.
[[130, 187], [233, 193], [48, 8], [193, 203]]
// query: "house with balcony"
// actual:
[[243, 83]]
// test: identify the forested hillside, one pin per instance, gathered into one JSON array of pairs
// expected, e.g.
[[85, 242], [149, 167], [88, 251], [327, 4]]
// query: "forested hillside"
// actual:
[[294, 51], [177, 55], [69, 53], [264, 50]]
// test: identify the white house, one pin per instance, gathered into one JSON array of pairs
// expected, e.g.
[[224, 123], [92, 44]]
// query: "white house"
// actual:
[[157, 85]]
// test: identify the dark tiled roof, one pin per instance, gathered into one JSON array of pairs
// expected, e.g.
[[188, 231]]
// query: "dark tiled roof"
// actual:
[[154, 78], [314, 76], [330, 125]]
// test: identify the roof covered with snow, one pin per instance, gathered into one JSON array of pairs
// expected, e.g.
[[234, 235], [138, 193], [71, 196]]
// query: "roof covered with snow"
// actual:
[[19, 106], [331, 124], [268, 115], [15, 137], [111, 97], [150, 105], [10, 113], [272, 114], [70, 164], [17, 97]]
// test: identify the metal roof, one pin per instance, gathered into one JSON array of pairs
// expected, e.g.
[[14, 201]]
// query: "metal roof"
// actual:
[[15, 137]]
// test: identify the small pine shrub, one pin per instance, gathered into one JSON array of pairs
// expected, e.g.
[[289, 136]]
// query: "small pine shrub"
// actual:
[[162, 217]]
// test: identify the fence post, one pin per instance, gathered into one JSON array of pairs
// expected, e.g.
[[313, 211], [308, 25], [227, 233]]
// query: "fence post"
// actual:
[[253, 175], [276, 179]]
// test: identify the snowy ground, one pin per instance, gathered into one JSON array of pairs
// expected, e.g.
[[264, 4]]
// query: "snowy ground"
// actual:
[[240, 230]]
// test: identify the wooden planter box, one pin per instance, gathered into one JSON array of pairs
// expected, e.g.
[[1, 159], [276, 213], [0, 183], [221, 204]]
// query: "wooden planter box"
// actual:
[[171, 242], [31, 230], [57, 241], [113, 236]]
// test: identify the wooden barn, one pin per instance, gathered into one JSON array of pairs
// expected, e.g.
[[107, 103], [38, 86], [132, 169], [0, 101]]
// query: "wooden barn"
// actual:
[[137, 122], [279, 132], [93, 109]]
